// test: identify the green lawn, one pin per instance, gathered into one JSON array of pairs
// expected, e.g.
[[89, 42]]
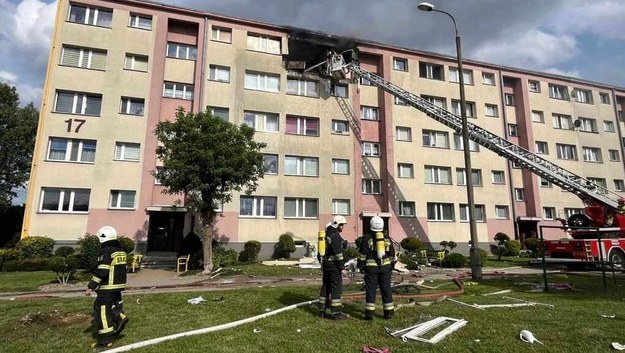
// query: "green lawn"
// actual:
[[574, 325], [507, 261], [25, 281]]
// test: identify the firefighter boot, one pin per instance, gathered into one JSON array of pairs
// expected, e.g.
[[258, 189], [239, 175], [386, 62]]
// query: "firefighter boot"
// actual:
[[339, 316]]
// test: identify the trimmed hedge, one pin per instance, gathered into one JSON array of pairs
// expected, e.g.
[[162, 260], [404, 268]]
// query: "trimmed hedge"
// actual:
[[32, 247], [455, 260], [127, 244], [34, 264], [89, 250], [8, 255], [285, 246], [64, 251], [412, 245], [250, 251], [224, 257]]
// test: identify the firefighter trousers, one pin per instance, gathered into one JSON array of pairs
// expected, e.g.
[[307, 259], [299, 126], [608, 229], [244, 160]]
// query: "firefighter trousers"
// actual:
[[378, 277], [330, 293], [108, 315]]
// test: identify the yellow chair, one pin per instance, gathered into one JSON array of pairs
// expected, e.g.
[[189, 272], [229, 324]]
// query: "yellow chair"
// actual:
[[441, 256], [136, 262], [183, 261]]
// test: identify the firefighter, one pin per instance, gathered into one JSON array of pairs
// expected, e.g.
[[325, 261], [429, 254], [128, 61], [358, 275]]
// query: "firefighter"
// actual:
[[621, 205], [377, 258], [108, 281], [332, 265]]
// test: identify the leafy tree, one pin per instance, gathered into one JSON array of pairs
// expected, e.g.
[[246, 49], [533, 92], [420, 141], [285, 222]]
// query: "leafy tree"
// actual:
[[452, 245], [501, 239], [444, 244], [207, 159], [18, 127]]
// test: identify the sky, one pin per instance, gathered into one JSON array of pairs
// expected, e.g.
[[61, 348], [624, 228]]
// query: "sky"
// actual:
[[579, 38]]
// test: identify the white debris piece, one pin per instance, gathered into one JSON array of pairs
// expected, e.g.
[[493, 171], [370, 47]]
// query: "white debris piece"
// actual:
[[618, 346], [196, 301], [527, 336]]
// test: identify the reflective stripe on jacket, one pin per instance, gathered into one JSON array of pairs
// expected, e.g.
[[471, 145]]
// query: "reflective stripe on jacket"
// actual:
[[110, 275]]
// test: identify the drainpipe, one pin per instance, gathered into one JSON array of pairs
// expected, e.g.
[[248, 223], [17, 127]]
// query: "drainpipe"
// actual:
[[618, 127], [203, 65]]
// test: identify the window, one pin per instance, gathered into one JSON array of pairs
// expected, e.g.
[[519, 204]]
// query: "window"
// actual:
[[158, 171], [405, 170], [136, 62], [256, 206], [301, 166], [601, 182], [302, 87], [437, 139], [122, 199], [299, 125], [140, 21], [369, 113], [619, 185], [544, 183], [509, 99], [340, 126], [267, 122], [181, 51], [221, 34], [222, 113], [340, 206], [592, 154], [571, 211], [403, 133], [440, 102], [440, 211], [582, 95], [400, 64], [83, 57], [498, 177], [431, 71], [300, 208], [549, 213], [337, 90], [407, 209], [371, 149], [132, 106], [64, 200], [538, 116], [491, 110], [561, 121], [542, 147], [469, 108], [467, 78], [219, 73], [502, 212], [90, 16], [519, 194], [364, 81], [340, 166], [71, 150], [371, 186], [125, 151], [605, 98], [270, 162], [516, 165], [513, 130], [178, 90], [437, 175], [262, 81], [566, 151], [608, 126], [479, 212], [459, 144], [78, 103], [533, 86], [476, 177], [558, 92], [399, 101], [619, 115], [587, 125], [488, 78], [614, 155], [263, 44]]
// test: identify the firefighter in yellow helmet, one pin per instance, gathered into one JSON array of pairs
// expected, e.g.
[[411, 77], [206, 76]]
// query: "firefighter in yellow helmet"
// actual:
[[332, 266], [377, 257]]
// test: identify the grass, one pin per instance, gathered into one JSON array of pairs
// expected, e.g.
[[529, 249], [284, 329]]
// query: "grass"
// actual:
[[573, 325], [507, 261], [263, 270], [25, 281]]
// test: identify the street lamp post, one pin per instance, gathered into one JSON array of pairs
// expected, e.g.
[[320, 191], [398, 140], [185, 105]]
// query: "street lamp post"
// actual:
[[476, 264]]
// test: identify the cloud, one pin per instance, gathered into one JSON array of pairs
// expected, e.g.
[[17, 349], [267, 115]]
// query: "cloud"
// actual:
[[571, 73], [601, 18], [7, 77]]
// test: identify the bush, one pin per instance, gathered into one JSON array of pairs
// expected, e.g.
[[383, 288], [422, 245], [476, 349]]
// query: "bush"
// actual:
[[512, 248], [351, 253], [127, 244], [64, 251], [31, 247], [250, 251], [32, 264], [455, 260], [483, 256], [532, 245], [409, 261], [223, 257], [8, 255], [89, 250], [412, 245], [285, 246], [64, 267]]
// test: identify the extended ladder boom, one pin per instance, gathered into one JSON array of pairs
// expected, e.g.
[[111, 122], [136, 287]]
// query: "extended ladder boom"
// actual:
[[589, 192]]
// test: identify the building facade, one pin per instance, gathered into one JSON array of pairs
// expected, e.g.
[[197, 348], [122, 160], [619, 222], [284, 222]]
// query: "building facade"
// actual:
[[117, 68]]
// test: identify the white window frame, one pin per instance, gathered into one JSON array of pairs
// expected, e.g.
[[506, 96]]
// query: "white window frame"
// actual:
[[301, 87], [513, 130], [339, 166], [301, 208], [571, 211], [437, 175], [123, 147], [262, 121], [476, 177], [583, 96], [488, 78], [538, 116], [469, 108], [619, 184], [509, 99], [440, 102], [262, 81], [134, 21], [459, 144], [372, 186], [435, 138], [549, 213], [302, 166], [63, 192], [85, 57], [221, 112], [533, 86], [219, 73], [339, 204], [400, 64], [467, 76], [441, 212], [370, 149], [519, 194], [301, 125], [274, 162], [263, 44], [562, 121], [407, 209], [405, 170], [491, 110], [258, 206], [338, 90], [604, 98], [116, 196], [608, 126], [178, 90], [566, 152], [479, 213], [216, 34], [133, 59], [587, 124], [92, 16], [337, 126], [182, 51], [592, 154], [541, 147], [614, 155], [79, 103], [369, 113], [70, 145], [544, 183], [401, 131], [558, 92], [502, 208], [427, 70], [498, 177], [129, 102]]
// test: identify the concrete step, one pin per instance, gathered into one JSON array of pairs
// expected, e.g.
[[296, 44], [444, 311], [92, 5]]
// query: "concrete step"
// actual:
[[165, 261]]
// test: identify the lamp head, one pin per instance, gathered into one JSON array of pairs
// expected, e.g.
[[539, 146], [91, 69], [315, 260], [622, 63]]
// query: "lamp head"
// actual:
[[425, 6]]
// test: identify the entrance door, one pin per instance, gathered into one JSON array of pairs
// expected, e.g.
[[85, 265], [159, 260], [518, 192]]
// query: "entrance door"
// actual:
[[165, 233], [527, 229]]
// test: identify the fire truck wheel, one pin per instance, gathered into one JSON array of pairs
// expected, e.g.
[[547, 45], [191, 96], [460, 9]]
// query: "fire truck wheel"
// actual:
[[617, 258]]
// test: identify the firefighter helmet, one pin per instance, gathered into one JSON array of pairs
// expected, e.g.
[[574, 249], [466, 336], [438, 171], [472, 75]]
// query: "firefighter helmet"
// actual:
[[376, 224], [336, 220], [106, 233]]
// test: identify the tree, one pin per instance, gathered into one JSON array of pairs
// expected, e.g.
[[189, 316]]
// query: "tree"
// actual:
[[207, 159], [501, 239], [18, 128]]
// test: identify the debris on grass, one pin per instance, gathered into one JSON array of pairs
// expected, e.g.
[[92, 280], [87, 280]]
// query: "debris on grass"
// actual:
[[618, 346], [519, 303], [505, 291], [369, 349], [415, 332], [55, 318], [257, 330], [528, 337], [195, 301], [608, 316]]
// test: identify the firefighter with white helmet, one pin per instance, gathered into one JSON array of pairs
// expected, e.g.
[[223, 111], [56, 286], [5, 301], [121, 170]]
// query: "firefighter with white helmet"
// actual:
[[108, 281], [332, 265], [377, 257]]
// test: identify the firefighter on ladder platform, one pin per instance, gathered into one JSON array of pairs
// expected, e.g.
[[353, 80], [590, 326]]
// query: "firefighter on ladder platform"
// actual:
[[377, 258], [332, 266]]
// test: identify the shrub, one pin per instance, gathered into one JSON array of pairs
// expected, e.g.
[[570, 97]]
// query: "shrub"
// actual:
[[223, 257], [455, 260], [8, 255], [32, 264], [250, 251], [64, 251], [351, 253], [127, 244], [532, 245], [31, 247], [512, 248], [412, 245], [501, 239], [64, 267], [285, 246], [483, 256], [408, 260], [89, 250]]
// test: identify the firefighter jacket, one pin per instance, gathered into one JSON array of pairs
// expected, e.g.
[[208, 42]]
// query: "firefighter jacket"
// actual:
[[368, 254], [333, 259], [110, 274]]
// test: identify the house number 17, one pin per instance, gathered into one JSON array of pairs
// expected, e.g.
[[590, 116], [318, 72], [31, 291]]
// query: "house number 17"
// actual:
[[79, 124]]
